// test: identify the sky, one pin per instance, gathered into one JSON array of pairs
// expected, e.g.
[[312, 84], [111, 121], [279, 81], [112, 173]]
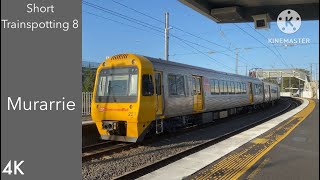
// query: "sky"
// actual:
[[112, 27]]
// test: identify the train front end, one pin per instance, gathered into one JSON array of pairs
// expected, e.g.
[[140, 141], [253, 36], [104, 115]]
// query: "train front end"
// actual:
[[123, 103]]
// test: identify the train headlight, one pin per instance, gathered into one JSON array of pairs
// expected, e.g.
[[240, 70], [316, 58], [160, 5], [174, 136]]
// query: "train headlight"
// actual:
[[108, 126]]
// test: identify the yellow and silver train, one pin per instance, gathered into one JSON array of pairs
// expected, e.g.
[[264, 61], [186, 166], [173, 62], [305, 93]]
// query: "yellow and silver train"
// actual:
[[134, 95]]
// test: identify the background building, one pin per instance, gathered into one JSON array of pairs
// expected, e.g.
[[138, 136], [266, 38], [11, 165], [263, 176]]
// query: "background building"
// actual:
[[293, 82]]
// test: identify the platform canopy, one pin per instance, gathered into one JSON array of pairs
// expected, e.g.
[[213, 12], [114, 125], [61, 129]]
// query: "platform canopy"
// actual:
[[237, 11], [280, 73]]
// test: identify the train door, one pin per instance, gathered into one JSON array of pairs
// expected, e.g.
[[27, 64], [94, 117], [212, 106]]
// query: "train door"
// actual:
[[159, 93], [269, 89], [250, 93], [264, 92], [197, 93]]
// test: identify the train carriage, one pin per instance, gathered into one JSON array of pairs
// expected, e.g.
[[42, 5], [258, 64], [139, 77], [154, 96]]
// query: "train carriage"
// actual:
[[134, 94]]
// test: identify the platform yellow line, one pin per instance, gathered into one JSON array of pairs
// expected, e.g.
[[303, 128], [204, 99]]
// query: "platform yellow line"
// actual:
[[234, 162], [303, 114], [259, 168]]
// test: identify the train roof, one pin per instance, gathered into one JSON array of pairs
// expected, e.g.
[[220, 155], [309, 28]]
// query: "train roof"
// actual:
[[158, 60]]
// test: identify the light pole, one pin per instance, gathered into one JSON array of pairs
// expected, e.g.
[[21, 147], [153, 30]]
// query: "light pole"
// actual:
[[166, 37], [237, 58]]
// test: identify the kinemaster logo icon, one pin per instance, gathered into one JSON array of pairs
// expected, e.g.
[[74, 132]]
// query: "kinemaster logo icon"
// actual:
[[289, 21]]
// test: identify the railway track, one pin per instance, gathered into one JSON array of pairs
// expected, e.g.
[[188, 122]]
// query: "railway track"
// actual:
[[154, 166], [104, 148], [95, 146], [107, 148]]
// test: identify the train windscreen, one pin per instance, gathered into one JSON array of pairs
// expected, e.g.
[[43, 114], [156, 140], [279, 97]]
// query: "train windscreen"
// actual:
[[117, 85]]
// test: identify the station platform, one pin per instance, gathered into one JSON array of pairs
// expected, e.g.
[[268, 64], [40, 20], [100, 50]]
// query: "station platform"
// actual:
[[295, 157], [86, 120], [84, 123], [90, 134], [286, 147]]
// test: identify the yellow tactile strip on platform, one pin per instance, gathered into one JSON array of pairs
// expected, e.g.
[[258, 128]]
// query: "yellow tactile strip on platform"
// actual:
[[237, 163]]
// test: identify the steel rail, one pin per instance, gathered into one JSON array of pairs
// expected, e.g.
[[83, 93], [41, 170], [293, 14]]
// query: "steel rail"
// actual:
[[154, 166]]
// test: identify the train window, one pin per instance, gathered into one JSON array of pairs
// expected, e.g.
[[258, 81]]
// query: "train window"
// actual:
[[233, 87], [274, 90], [221, 84], [117, 85], [180, 85], [102, 86], [225, 87], [222, 87], [193, 85], [172, 85], [133, 85], [187, 85], [147, 85], [266, 89], [236, 88], [239, 88], [244, 88], [176, 85], [158, 83], [214, 86], [258, 89], [227, 84], [229, 87]]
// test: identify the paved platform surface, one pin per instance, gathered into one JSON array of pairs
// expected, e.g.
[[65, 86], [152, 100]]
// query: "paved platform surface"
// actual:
[[86, 120], [240, 155], [90, 134], [295, 157], [287, 151]]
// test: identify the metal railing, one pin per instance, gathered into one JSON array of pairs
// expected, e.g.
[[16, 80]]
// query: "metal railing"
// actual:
[[86, 103]]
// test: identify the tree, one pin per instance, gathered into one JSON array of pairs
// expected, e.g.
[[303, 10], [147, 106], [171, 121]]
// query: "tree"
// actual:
[[294, 83], [88, 80]]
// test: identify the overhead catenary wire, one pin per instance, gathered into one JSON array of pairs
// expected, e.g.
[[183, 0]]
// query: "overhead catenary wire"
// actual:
[[220, 52], [133, 20], [259, 42], [281, 57], [185, 42], [180, 29], [109, 19], [158, 20], [138, 11], [142, 24]]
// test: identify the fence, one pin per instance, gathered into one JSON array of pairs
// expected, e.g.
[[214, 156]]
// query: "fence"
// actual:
[[86, 103]]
